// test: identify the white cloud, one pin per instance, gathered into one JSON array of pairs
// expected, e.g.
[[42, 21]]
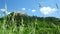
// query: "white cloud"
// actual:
[[3, 10], [47, 10], [23, 8], [33, 10], [8, 13]]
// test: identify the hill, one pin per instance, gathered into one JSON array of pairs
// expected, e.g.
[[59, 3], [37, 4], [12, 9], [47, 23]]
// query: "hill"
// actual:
[[47, 24]]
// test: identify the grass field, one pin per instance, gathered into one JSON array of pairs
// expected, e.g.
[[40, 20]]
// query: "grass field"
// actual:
[[40, 28], [28, 25]]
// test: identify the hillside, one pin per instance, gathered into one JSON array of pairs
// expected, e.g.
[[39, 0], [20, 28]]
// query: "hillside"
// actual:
[[40, 24]]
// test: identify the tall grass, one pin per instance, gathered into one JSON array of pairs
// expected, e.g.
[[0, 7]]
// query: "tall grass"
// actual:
[[35, 27]]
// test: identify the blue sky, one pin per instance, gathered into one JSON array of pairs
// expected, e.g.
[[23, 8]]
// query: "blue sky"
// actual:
[[31, 7]]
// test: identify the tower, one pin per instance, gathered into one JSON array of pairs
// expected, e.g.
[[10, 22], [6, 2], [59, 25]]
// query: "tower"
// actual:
[[5, 7]]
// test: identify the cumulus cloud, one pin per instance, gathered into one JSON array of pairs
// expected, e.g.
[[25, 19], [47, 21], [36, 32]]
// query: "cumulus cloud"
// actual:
[[47, 10], [8, 12], [33, 10], [23, 8], [2, 10]]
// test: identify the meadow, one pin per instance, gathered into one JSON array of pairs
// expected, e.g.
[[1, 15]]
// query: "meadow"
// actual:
[[16, 23]]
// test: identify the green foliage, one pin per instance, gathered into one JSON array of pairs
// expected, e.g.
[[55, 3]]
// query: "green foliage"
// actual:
[[24, 24]]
